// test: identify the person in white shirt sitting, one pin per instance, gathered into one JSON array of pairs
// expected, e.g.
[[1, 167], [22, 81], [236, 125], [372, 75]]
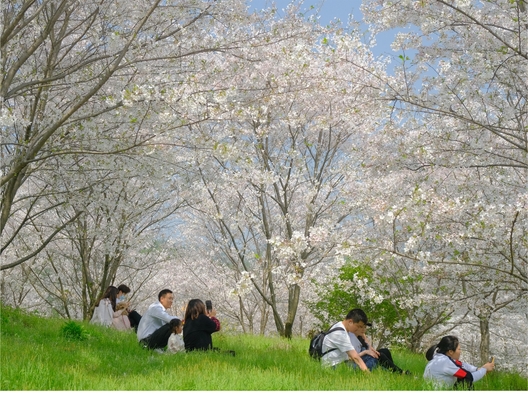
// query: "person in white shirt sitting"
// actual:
[[445, 368], [154, 329], [337, 347], [106, 313]]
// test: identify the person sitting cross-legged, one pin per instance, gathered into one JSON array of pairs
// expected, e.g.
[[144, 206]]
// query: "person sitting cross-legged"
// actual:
[[154, 327]]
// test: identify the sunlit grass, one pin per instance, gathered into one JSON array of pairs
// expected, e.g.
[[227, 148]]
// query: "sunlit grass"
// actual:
[[35, 355]]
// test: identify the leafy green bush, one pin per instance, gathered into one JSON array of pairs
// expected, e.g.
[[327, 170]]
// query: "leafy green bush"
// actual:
[[398, 300], [343, 294], [74, 331]]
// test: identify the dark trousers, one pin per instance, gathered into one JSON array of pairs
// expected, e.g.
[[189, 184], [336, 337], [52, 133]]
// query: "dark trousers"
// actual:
[[385, 360], [134, 318], [159, 338]]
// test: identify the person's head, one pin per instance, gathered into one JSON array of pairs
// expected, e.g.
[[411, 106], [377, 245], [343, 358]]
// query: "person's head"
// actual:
[[195, 307], [356, 321], [111, 294], [122, 290], [363, 330], [448, 345], [176, 326], [166, 298]]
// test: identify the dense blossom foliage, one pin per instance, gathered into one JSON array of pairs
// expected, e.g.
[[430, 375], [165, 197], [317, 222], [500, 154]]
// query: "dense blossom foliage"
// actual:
[[270, 164], [458, 143]]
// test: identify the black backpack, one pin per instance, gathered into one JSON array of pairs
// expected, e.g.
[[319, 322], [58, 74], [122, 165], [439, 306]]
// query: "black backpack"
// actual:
[[316, 344]]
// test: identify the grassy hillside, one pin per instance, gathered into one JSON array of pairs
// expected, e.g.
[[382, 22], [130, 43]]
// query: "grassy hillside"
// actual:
[[52, 354]]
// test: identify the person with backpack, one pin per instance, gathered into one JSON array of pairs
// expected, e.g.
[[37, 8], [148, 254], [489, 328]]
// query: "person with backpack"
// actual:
[[337, 347]]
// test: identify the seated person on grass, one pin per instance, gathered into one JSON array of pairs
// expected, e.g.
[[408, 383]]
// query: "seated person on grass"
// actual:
[[133, 316], [107, 314], [154, 327], [371, 356], [337, 347], [446, 370], [200, 323], [176, 344]]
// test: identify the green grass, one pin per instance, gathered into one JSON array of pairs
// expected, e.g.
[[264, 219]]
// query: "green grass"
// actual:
[[52, 354]]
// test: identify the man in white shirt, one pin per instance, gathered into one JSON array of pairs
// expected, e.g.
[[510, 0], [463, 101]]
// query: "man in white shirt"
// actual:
[[337, 347], [154, 329]]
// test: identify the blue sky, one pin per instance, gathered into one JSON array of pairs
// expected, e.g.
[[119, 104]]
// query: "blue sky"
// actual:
[[330, 10]]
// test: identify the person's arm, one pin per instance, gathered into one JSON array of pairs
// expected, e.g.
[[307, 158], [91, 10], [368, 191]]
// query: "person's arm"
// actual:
[[370, 350], [216, 322], [108, 311], [159, 312], [354, 356], [479, 373], [209, 322], [468, 373]]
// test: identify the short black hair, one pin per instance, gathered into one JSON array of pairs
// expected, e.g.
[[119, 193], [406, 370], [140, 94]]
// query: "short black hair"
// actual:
[[357, 315], [124, 289], [163, 292]]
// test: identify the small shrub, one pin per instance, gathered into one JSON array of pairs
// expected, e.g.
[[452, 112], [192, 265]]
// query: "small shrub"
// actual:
[[73, 330]]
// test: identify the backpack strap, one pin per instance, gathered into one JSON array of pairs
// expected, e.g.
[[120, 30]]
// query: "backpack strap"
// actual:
[[328, 332]]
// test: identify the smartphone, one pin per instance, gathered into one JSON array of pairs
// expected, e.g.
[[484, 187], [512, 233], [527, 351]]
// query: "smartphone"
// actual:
[[209, 305]]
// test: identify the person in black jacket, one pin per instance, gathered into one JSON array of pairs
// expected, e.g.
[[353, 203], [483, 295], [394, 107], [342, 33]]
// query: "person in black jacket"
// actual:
[[198, 326]]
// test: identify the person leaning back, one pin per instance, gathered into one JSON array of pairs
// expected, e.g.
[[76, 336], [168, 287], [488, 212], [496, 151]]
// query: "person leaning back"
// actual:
[[154, 329], [337, 347]]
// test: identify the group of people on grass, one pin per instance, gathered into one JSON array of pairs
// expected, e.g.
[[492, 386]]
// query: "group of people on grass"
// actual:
[[157, 329], [346, 341], [112, 310]]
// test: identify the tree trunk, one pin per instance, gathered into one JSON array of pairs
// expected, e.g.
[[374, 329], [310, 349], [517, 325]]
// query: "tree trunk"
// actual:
[[241, 313], [484, 339], [293, 303], [264, 315]]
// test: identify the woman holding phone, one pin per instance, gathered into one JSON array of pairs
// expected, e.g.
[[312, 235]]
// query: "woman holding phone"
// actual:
[[445, 368], [198, 326]]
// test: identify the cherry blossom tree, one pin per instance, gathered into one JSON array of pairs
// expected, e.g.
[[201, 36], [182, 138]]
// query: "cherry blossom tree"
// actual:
[[95, 78], [276, 174], [458, 140]]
